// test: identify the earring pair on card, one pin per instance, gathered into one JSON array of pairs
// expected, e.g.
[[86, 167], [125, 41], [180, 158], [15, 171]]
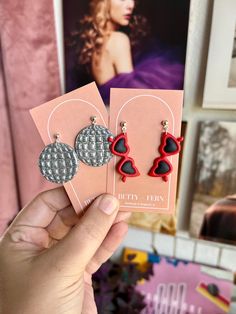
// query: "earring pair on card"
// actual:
[[162, 167], [95, 146]]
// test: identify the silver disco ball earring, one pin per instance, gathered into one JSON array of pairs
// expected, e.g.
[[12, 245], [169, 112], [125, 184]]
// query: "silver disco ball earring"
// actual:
[[92, 145], [58, 162]]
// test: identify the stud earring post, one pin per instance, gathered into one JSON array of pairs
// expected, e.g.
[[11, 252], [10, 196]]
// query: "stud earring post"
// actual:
[[165, 125], [57, 137], [93, 119], [123, 125]]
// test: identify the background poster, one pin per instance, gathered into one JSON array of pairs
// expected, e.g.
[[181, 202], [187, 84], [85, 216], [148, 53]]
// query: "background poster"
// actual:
[[125, 44]]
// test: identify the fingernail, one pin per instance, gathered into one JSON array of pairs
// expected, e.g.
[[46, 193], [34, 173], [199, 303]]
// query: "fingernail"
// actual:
[[108, 204]]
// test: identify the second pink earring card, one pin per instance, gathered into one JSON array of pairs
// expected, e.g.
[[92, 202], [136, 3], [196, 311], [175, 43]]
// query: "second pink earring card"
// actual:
[[143, 111]]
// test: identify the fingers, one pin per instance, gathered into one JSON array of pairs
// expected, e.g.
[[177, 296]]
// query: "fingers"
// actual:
[[112, 241], [62, 223], [84, 239], [41, 211], [67, 218], [122, 216], [29, 238]]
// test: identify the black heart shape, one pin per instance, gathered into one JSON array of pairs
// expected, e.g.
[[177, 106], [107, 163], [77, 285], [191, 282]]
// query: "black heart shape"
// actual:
[[162, 168], [127, 167], [170, 146], [120, 146]]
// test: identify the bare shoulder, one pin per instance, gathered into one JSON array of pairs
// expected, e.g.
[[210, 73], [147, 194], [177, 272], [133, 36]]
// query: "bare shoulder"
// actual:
[[119, 36], [119, 49], [118, 41]]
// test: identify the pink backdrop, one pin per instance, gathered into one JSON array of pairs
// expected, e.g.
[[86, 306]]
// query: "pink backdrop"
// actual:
[[29, 76]]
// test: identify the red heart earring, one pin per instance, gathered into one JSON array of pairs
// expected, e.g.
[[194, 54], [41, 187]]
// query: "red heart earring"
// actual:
[[119, 147], [169, 146]]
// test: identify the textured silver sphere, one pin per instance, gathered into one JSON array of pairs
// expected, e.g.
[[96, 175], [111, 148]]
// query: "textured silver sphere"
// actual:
[[92, 145], [58, 162]]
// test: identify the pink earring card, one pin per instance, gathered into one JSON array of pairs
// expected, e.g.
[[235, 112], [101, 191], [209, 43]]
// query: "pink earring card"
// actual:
[[143, 111], [67, 115]]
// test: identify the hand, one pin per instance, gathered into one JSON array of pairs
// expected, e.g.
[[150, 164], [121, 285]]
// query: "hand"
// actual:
[[48, 254]]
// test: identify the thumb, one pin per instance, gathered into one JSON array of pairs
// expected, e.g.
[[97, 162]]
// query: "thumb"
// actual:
[[82, 242]]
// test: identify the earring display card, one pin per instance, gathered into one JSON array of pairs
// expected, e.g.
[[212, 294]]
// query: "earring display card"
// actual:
[[144, 111], [68, 115]]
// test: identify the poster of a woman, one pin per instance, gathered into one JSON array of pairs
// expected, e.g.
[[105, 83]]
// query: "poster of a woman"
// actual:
[[125, 43]]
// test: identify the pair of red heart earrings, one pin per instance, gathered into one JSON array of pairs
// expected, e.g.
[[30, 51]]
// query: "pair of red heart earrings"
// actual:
[[162, 167]]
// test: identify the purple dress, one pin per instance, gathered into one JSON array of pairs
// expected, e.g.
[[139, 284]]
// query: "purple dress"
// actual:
[[160, 68]]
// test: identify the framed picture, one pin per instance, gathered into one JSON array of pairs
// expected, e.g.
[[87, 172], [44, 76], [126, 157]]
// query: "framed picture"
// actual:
[[220, 82], [213, 215], [125, 44]]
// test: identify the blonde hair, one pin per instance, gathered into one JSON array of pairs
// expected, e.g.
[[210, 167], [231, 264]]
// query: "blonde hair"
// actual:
[[93, 29]]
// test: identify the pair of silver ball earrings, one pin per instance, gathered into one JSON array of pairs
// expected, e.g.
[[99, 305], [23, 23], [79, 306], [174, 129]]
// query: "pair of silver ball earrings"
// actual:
[[59, 162]]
